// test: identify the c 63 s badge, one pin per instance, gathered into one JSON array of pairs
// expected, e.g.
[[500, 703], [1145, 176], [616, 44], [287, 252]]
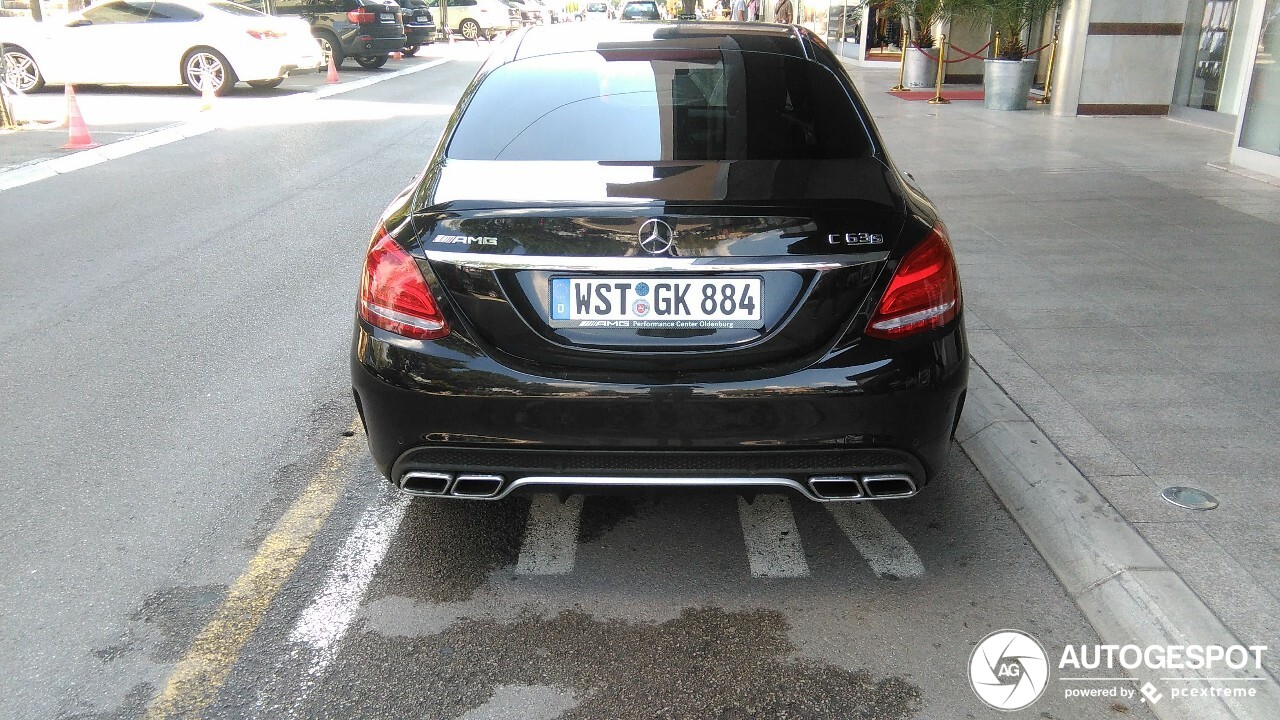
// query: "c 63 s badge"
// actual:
[[464, 240], [853, 239]]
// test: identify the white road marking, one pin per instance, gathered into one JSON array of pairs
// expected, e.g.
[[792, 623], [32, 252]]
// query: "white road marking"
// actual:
[[773, 540], [551, 536], [879, 543], [326, 619]]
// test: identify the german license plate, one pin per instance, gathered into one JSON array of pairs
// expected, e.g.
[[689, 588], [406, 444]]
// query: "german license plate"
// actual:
[[648, 302], [387, 17]]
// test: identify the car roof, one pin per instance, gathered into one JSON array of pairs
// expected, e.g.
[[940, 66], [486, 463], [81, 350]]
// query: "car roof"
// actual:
[[683, 35]]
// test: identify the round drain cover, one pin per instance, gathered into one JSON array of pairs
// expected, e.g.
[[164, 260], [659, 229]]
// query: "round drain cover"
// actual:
[[1189, 498]]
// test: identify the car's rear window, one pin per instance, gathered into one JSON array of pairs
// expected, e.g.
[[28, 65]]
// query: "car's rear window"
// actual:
[[236, 9], [656, 105]]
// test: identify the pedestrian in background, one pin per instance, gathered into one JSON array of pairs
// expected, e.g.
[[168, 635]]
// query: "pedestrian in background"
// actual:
[[783, 13], [753, 10], [739, 10]]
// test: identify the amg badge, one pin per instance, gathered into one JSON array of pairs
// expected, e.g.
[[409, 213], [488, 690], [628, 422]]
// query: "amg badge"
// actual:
[[464, 240], [856, 239]]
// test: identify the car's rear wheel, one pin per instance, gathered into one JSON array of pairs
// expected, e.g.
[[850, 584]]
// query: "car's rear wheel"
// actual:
[[203, 66], [470, 29], [372, 62], [329, 48], [21, 71], [410, 50], [265, 84]]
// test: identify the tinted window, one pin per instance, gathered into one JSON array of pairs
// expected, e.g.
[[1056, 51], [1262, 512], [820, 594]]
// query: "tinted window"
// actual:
[[169, 12], [655, 105], [641, 11], [597, 7], [116, 13]]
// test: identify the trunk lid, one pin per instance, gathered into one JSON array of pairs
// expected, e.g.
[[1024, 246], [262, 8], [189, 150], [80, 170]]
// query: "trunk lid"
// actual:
[[768, 264]]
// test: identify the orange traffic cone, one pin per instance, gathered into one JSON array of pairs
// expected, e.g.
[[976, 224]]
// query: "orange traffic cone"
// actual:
[[68, 93], [77, 132], [206, 94], [333, 72]]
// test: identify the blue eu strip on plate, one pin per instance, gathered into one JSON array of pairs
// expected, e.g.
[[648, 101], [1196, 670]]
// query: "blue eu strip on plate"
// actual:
[[560, 299]]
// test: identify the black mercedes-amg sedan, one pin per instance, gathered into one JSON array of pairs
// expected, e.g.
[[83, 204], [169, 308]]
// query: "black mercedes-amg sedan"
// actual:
[[660, 256]]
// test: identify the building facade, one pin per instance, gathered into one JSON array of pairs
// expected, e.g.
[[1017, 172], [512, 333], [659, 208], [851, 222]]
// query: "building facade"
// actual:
[[1210, 62]]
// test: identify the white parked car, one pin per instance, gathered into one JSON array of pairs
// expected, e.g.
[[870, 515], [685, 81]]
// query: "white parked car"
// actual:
[[139, 42], [596, 11]]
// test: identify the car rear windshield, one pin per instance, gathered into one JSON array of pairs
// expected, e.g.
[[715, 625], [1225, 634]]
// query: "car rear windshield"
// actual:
[[648, 105], [236, 9], [641, 11]]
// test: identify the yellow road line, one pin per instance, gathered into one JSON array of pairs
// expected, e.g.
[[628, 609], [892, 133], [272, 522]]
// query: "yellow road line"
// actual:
[[196, 679]]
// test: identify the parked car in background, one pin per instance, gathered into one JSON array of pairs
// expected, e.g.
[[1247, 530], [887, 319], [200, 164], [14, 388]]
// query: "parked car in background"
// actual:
[[640, 10], [530, 13], [139, 42], [419, 25], [367, 30], [596, 12], [477, 18], [15, 8]]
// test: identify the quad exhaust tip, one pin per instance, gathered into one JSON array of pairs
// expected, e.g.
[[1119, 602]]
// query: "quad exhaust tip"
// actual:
[[477, 486], [436, 484], [889, 486], [425, 483], [835, 487]]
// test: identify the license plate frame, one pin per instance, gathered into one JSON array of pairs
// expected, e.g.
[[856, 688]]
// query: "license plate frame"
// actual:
[[655, 302]]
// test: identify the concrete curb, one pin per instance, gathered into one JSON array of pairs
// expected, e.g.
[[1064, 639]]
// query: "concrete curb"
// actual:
[[36, 171], [1124, 588]]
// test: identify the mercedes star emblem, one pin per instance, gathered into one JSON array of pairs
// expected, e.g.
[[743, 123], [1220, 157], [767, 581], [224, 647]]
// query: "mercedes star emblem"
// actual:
[[656, 237]]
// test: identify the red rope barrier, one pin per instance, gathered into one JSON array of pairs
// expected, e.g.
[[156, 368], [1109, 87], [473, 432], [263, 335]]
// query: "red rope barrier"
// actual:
[[926, 53], [1033, 52], [976, 55]]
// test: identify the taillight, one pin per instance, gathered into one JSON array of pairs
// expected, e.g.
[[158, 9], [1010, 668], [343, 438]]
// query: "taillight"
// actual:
[[924, 292], [362, 16], [264, 34], [393, 295]]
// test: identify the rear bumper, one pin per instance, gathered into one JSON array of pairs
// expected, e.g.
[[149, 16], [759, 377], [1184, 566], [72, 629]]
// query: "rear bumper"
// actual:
[[872, 409], [419, 34], [263, 66], [359, 44]]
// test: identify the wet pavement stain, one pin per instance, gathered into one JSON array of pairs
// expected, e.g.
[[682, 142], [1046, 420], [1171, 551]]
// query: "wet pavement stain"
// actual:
[[602, 513], [707, 663], [179, 613], [448, 548], [134, 706]]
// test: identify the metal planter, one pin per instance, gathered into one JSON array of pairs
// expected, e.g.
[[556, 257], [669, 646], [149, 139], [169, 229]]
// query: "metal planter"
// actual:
[[1007, 83]]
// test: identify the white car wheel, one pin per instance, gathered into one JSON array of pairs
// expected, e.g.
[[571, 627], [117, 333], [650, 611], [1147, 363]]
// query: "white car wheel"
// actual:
[[21, 72], [205, 66]]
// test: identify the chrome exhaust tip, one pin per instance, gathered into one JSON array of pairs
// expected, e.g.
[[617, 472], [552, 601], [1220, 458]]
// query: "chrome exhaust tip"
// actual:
[[835, 487], [477, 486], [425, 483], [889, 486]]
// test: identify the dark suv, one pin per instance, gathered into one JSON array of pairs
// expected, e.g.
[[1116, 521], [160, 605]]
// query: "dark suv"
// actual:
[[419, 25], [368, 30]]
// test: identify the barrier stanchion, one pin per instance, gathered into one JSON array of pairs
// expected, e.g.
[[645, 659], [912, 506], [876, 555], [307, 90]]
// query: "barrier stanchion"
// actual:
[[902, 66], [937, 98], [1048, 75]]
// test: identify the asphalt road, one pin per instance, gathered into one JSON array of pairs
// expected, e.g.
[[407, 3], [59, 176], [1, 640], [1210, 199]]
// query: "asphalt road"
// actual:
[[189, 525]]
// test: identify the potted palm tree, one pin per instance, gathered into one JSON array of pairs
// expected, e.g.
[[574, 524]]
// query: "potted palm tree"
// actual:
[[918, 19], [1008, 76]]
